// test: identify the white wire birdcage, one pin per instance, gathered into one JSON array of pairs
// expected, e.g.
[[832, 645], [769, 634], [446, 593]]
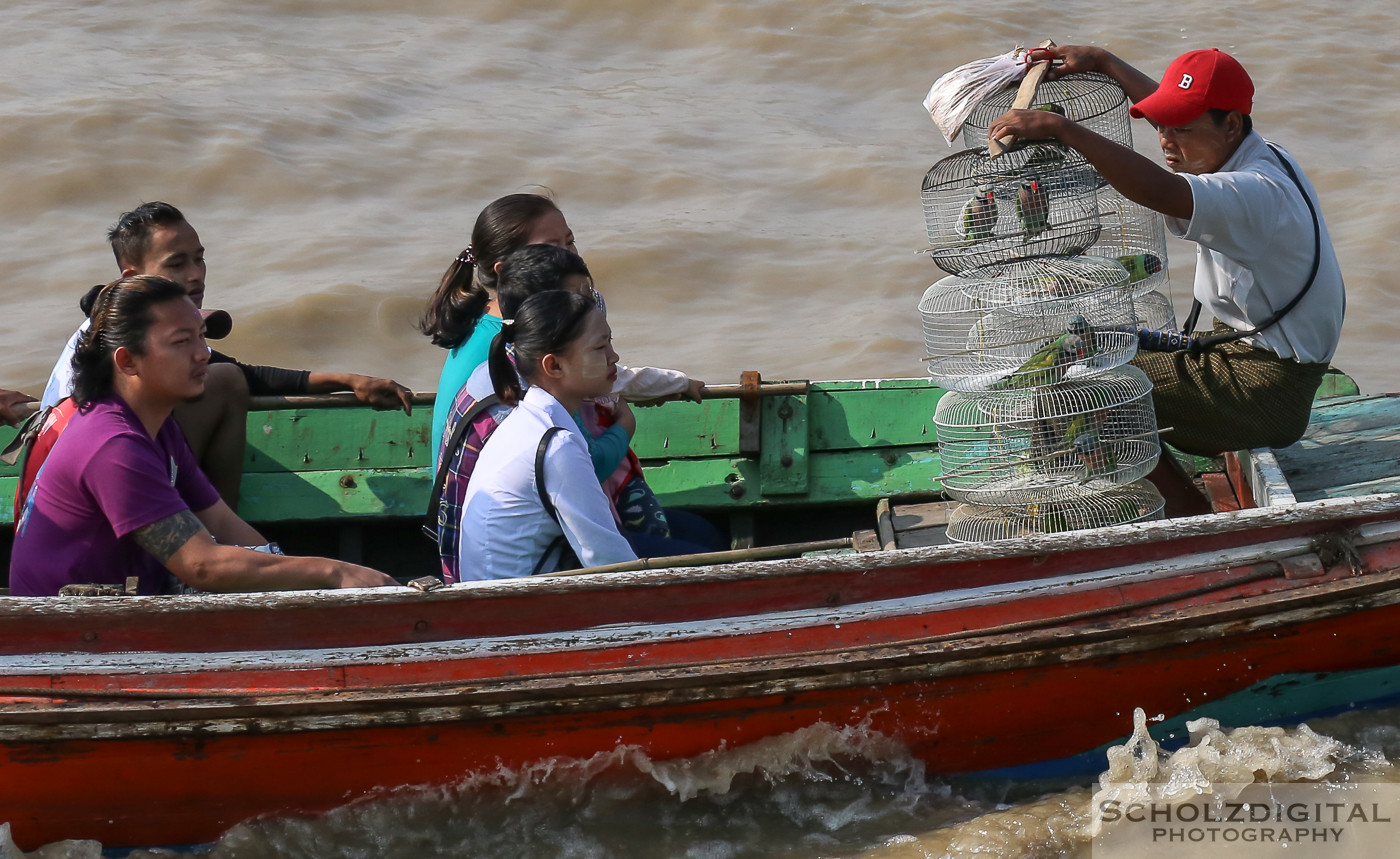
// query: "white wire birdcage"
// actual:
[[1155, 311], [1028, 322], [1048, 443], [1095, 508], [981, 211], [1135, 236], [1093, 100]]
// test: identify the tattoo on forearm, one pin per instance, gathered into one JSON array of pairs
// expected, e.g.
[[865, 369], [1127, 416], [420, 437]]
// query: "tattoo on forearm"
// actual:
[[164, 538]]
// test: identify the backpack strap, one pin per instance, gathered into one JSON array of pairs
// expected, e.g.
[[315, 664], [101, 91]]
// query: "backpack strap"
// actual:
[[25, 435], [559, 542], [449, 453]]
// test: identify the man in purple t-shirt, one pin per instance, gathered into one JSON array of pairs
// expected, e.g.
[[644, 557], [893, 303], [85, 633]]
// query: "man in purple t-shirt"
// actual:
[[120, 494], [105, 479]]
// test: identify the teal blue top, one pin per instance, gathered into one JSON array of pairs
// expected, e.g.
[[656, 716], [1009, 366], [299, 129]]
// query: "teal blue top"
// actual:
[[607, 450], [458, 367]]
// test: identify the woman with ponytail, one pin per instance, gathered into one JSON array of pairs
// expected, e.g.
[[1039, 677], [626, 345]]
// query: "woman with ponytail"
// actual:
[[121, 495], [463, 316], [464, 313], [476, 412], [607, 429], [534, 503]]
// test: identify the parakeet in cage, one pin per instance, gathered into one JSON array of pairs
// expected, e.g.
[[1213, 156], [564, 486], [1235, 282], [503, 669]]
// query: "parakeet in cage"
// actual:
[[1048, 521], [979, 217], [1140, 266], [1033, 208], [1083, 436], [1079, 325], [1045, 157], [1128, 511], [1048, 365], [1052, 360]]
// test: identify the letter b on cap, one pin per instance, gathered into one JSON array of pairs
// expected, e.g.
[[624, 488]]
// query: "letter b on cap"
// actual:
[[1186, 81]]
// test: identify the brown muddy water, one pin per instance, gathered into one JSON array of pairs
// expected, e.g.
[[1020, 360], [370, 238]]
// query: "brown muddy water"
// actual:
[[743, 180]]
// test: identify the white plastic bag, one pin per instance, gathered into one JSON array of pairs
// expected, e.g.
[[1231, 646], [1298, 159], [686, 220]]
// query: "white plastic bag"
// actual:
[[955, 95]]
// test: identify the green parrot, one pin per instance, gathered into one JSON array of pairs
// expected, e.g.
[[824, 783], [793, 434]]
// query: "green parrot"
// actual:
[[1049, 522], [979, 217], [1082, 436], [1033, 208], [1048, 365], [1051, 107], [1079, 325], [1046, 157], [1077, 426], [1140, 266]]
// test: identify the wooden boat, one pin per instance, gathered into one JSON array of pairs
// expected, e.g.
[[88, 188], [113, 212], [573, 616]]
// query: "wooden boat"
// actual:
[[164, 720]]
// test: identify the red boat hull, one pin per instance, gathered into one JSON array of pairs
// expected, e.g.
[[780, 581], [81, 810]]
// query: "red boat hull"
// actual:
[[990, 673]]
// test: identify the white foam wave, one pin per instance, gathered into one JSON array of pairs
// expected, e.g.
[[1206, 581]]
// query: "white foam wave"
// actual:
[[1218, 763]]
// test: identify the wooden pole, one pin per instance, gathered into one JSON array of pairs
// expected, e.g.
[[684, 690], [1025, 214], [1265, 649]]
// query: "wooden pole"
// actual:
[[758, 553], [1024, 96], [345, 399]]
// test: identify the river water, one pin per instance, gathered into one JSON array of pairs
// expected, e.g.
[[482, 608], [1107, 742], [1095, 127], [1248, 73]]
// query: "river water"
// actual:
[[743, 180]]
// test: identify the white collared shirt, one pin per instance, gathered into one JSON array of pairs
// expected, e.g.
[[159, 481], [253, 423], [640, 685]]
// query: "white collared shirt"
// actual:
[[1255, 239], [505, 528], [61, 379]]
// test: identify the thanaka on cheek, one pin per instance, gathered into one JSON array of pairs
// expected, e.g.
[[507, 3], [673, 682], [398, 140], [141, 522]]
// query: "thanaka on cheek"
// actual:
[[595, 366]]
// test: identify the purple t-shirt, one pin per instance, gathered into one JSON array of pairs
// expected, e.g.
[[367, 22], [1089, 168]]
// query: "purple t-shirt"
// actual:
[[104, 479]]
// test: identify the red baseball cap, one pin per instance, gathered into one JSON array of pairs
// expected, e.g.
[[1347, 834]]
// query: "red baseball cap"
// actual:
[[1194, 83]]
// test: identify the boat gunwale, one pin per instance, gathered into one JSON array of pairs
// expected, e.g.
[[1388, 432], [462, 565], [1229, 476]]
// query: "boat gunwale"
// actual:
[[1368, 507], [642, 634]]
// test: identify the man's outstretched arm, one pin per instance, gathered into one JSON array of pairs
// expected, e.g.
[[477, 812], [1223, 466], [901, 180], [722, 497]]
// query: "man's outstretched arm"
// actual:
[[186, 548], [1131, 174], [9, 414], [1086, 58], [382, 394]]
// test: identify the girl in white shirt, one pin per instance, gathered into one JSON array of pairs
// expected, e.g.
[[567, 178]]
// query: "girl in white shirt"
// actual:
[[511, 525]]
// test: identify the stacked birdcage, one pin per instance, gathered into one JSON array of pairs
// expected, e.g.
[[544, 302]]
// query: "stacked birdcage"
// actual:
[[1044, 428], [1053, 457], [1137, 237], [1093, 100], [1128, 232], [980, 211]]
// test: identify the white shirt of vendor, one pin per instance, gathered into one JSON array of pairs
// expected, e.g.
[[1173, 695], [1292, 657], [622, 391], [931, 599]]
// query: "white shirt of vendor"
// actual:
[[1256, 249], [505, 528]]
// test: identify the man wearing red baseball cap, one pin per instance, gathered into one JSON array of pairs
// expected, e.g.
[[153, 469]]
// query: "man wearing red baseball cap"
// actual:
[[1266, 269]]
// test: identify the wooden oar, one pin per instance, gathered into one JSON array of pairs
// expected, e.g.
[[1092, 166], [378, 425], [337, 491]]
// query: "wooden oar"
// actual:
[[1025, 95], [758, 553]]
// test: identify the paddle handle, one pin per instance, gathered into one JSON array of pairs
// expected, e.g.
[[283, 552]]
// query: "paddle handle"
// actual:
[[1025, 96]]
